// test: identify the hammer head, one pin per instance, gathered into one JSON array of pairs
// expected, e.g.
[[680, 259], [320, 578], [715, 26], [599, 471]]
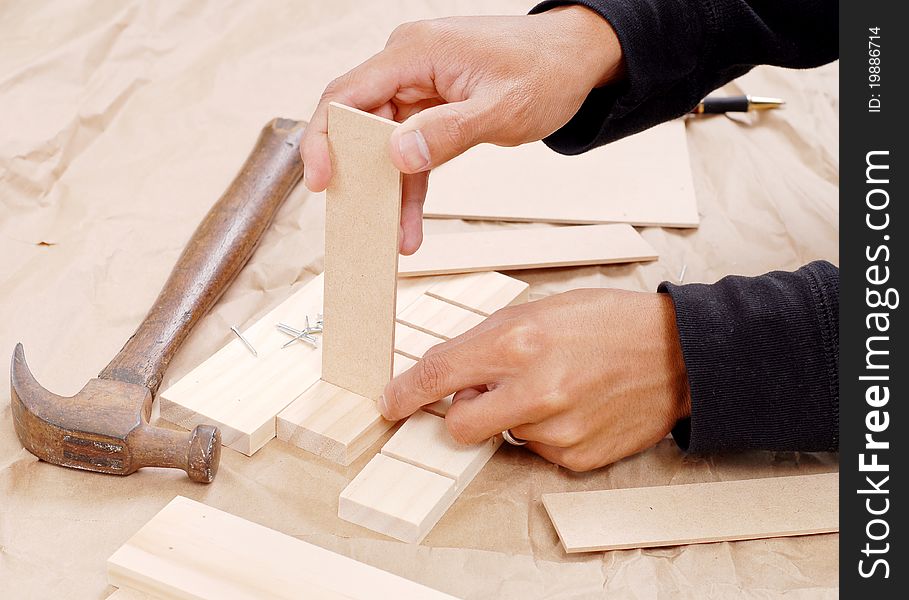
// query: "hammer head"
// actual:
[[105, 428]]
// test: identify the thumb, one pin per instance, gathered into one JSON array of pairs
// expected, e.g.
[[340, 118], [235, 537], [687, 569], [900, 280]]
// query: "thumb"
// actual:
[[436, 135]]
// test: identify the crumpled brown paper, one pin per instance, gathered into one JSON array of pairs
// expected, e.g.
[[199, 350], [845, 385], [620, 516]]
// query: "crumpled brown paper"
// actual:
[[122, 122]]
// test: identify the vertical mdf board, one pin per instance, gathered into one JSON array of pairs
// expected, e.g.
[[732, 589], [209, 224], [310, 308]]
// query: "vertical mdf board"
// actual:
[[362, 224], [189, 550], [695, 513]]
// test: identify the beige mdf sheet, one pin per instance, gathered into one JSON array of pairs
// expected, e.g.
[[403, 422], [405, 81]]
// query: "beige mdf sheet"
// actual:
[[695, 513], [362, 225], [643, 180], [190, 550], [537, 248]]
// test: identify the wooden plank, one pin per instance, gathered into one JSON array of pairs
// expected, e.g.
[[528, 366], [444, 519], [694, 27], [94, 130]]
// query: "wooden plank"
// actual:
[[396, 498], [440, 408], [413, 342], [644, 179], [334, 423], [189, 550], [362, 224], [438, 317], [695, 513], [240, 393], [510, 249], [483, 293], [424, 442]]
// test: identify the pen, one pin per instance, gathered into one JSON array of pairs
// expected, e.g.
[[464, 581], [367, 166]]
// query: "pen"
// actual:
[[714, 105]]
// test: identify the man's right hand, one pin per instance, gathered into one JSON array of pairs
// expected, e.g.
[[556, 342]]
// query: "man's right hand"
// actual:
[[458, 82]]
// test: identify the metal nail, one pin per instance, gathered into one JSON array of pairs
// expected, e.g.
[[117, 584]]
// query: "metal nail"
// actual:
[[245, 341]]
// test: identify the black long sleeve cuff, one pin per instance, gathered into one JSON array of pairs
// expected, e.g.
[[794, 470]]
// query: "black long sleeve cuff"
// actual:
[[761, 355], [677, 51]]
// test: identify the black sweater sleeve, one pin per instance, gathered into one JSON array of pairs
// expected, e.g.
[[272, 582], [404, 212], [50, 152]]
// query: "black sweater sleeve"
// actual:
[[677, 51], [761, 355]]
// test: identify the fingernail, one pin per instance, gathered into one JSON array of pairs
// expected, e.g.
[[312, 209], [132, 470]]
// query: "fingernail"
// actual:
[[306, 179], [414, 151], [383, 407]]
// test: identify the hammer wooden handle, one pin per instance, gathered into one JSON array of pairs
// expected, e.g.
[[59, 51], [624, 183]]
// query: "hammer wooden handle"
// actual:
[[213, 257]]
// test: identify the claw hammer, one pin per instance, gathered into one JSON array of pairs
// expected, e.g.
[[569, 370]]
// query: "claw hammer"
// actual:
[[105, 426]]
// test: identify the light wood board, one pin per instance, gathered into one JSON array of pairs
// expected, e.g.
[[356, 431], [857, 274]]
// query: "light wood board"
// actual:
[[240, 393], [424, 441], [438, 317], [334, 423], [483, 293], [189, 550], [540, 247], [695, 513], [396, 498], [362, 225], [413, 342], [644, 179]]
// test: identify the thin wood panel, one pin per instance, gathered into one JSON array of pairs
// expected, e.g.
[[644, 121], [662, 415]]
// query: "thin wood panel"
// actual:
[[695, 513], [644, 179], [423, 441], [509, 249], [396, 498], [439, 318], [362, 224], [483, 293], [189, 550], [240, 393]]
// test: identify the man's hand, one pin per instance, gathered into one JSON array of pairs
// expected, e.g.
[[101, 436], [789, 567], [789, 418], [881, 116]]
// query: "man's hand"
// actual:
[[588, 377], [455, 83]]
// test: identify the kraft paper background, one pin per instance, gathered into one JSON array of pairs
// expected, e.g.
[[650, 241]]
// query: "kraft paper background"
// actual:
[[122, 122]]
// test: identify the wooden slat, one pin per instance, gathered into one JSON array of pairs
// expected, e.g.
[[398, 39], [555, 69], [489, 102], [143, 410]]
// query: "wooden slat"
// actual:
[[396, 498], [334, 423], [695, 513], [483, 293], [644, 179], [362, 224], [438, 317], [240, 393], [424, 442], [413, 342], [510, 249], [189, 550]]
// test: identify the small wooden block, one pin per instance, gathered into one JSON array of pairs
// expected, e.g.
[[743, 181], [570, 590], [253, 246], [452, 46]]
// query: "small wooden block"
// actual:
[[396, 498], [509, 249], [189, 550], [362, 224], [331, 422], [483, 293], [335, 423], [438, 317], [424, 442], [439, 408], [644, 179], [695, 513], [240, 393], [413, 342]]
